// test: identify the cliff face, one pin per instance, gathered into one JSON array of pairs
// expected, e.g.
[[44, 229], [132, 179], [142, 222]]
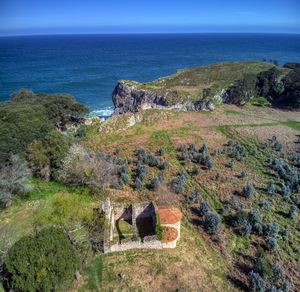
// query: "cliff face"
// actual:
[[128, 98], [202, 88]]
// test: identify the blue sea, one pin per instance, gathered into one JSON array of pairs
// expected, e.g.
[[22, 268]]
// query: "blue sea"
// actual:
[[89, 66]]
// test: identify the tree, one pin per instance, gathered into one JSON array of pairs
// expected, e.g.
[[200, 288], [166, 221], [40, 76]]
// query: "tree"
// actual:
[[286, 191], [208, 162], [179, 182], [142, 171], [248, 191], [278, 273], [271, 230], [45, 261], [84, 168], [204, 208], [246, 228], [212, 222], [293, 211], [195, 171], [256, 282], [46, 156], [271, 189], [154, 184], [14, 180], [138, 184], [271, 243]]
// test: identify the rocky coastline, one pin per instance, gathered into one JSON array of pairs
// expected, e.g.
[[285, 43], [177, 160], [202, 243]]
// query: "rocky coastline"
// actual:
[[279, 85]]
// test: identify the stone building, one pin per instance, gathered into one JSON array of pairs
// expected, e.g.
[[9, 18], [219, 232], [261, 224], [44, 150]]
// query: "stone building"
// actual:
[[140, 225]]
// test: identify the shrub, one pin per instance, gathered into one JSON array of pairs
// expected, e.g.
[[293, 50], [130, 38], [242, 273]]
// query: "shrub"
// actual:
[[204, 208], [287, 285], [256, 282], [263, 265], [243, 174], [46, 156], [194, 198], [124, 178], [248, 191], [208, 161], [161, 152], [212, 222], [293, 211], [271, 230], [154, 184], [193, 148], [271, 243], [256, 221], [285, 234], [142, 171], [179, 182], [14, 180], [161, 176], [246, 228], [43, 262], [84, 168], [271, 189], [203, 149], [162, 165], [278, 273], [266, 205], [195, 171], [286, 191], [231, 164], [139, 184]]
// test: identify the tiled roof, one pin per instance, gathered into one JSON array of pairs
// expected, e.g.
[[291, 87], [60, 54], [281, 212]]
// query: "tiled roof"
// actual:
[[169, 215], [170, 234]]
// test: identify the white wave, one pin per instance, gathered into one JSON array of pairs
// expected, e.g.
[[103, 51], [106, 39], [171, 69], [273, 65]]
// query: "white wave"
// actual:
[[105, 112]]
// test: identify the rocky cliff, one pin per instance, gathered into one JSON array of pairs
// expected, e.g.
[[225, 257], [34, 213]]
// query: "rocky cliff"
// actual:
[[202, 88]]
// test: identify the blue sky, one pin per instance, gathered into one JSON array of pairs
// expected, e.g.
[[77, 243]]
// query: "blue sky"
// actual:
[[18, 17]]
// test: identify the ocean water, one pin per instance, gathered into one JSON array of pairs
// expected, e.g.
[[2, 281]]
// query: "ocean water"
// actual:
[[89, 66]]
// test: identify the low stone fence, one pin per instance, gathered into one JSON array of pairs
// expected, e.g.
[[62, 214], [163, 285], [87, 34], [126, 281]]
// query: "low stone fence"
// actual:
[[137, 244]]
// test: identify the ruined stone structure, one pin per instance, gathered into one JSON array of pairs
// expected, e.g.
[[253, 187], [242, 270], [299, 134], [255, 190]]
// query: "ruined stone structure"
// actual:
[[142, 225]]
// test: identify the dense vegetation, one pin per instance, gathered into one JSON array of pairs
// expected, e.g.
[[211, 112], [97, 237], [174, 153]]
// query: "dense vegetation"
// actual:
[[45, 261], [30, 117]]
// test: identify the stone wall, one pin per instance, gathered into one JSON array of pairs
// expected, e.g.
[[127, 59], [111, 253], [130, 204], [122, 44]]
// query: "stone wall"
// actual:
[[114, 212]]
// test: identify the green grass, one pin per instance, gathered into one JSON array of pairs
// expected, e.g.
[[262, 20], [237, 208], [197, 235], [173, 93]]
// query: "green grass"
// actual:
[[260, 101], [230, 112], [124, 226], [292, 124], [94, 275], [48, 202]]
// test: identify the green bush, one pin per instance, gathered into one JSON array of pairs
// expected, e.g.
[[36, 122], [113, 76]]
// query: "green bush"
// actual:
[[21, 124], [212, 221], [46, 156], [43, 262]]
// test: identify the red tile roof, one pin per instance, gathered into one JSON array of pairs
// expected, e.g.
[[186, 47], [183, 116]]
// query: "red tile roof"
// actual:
[[169, 215], [170, 234]]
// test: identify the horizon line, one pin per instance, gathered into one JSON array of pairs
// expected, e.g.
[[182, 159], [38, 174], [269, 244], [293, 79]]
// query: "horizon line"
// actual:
[[145, 33]]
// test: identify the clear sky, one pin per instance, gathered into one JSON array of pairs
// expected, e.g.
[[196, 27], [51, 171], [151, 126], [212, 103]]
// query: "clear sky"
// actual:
[[18, 17]]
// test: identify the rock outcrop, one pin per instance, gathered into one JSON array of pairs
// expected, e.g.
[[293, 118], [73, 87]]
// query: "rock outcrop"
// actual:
[[186, 91], [128, 98]]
